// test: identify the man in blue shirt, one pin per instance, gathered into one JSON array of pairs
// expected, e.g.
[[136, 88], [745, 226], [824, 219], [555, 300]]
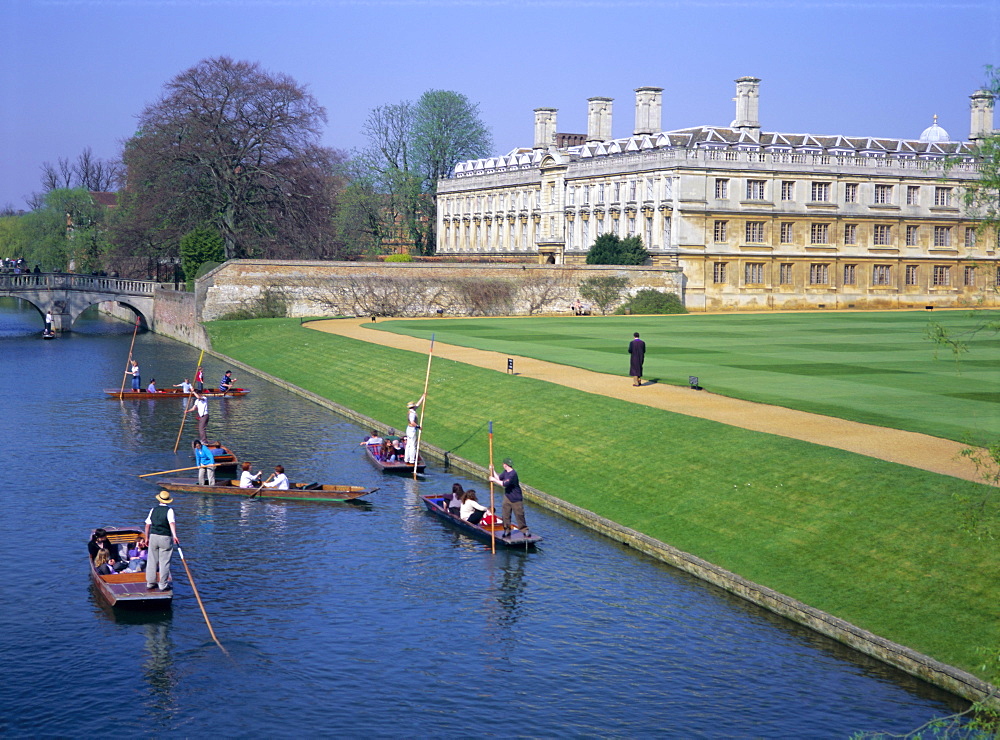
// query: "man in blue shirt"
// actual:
[[206, 463]]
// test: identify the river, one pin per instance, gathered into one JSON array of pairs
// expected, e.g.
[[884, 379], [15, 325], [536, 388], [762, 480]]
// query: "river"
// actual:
[[357, 620]]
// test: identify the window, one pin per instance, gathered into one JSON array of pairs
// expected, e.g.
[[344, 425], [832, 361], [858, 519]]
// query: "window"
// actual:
[[850, 192], [883, 194], [942, 275], [785, 273], [821, 191], [631, 228], [819, 234], [942, 196], [850, 274], [614, 226], [618, 192], [970, 237], [912, 195], [649, 188], [721, 231], [719, 272], [649, 229], [753, 273], [996, 280], [819, 274], [850, 233], [911, 236], [755, 232], [788, 190], [942, 236], [572, 196], [786, 233], [586, 194], [882, 235], [881, 274], [600, 193], [721, 189], [755, 189], [631, 189], [970, 276], [910, 275]]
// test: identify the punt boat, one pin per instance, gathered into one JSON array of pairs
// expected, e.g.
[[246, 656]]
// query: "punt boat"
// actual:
[[127, 589], [397, 466], [482, 532], [296, 491], [172, 393]]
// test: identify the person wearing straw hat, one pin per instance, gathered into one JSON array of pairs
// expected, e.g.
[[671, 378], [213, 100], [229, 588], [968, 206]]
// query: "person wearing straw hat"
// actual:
[[513, 498], [412, 427], [161, 534]]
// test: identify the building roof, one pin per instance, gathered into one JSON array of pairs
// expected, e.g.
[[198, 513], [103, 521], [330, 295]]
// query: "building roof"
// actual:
[[108, 200]]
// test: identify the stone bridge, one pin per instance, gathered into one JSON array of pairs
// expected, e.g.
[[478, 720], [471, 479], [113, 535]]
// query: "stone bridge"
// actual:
[[67, 295]]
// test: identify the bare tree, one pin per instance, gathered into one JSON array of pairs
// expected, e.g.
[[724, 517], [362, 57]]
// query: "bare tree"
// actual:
[[540, 290], [236, 147]]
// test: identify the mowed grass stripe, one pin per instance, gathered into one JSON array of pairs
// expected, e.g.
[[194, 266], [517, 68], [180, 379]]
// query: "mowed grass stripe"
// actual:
[[874, 543], [876, 368]]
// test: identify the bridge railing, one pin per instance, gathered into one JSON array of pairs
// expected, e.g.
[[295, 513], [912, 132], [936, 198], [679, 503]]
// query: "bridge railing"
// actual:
[[71, 281]]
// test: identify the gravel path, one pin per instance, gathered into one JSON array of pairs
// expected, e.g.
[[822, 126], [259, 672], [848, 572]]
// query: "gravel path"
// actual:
[[907, 448]]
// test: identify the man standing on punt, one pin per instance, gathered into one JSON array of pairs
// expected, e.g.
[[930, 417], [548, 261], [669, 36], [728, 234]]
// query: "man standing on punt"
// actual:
[[513, 499], [161, 534]]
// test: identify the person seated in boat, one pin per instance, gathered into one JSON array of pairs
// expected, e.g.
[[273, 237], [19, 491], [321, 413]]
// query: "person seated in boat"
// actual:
[[386, 450], [278, 479], [151, 388], [374, 442], [185, 387], [248, 479], [99, 543], [398, 451], [471, 511], [227, 381], [137, 556], [453, 501], [102, 565]]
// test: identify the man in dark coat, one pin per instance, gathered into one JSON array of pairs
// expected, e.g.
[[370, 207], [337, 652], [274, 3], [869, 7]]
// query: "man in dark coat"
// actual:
[[637, 349]]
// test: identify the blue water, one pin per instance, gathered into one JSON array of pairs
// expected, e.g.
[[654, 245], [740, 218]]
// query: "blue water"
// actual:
[[343, 620]]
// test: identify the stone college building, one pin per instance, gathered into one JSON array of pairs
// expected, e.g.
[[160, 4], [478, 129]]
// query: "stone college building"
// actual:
[[750, 218]]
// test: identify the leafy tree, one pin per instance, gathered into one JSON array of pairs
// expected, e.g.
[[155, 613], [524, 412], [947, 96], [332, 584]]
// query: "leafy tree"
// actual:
[[235, 147], [393, 191], [67, 231], [649, 301], [198, 247], [610, 249], [604, 290]]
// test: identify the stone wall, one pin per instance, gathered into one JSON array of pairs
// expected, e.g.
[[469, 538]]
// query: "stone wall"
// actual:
[[347, 288], [175, 315]]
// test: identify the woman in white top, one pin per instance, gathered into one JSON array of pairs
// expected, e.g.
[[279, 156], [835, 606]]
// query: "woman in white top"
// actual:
[[248, 479], [472, 511], [278, 479]]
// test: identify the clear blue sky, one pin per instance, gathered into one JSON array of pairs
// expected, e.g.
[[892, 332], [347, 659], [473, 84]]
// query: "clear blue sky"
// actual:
[[74, 73]]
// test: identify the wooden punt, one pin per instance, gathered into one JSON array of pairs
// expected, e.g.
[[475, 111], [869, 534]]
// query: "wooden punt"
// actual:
[[297, 491], [127, 589], [225, 458], [172, 393], [482, 532], [393, 467]]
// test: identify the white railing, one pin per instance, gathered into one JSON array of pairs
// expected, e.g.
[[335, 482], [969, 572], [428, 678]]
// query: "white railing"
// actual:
[[69, 281]]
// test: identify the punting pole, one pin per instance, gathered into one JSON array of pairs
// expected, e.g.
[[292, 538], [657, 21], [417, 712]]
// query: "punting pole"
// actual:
[[423, 408], [164, 472], [493, 527], [200, 605], [184, 415], [121, 393]]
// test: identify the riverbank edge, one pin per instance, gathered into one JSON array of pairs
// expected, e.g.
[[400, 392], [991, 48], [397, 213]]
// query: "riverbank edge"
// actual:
[[942, 675]]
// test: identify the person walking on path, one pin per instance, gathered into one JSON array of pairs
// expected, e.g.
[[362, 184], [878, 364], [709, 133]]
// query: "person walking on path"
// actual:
[[200, 404], [637, 349], [513, 499], [134, 372], [205, 461], [161, 534], [411, 431]]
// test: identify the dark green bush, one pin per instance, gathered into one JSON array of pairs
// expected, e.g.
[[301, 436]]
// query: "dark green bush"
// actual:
[[648, 301], [609, 249]]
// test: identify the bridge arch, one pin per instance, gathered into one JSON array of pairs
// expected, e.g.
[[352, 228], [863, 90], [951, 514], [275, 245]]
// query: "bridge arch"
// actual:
[[68, 295]]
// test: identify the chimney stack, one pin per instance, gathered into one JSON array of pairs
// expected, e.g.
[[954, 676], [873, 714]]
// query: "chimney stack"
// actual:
[[747, 104], [545, 127], [648, 107], [598, 119], [982, 115]]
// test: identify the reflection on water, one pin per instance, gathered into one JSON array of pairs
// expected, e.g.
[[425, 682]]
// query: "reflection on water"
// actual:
[[369, 619]]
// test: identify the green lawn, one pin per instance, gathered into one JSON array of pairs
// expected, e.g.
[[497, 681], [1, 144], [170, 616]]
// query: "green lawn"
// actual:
[[874, 543], [874, 367]]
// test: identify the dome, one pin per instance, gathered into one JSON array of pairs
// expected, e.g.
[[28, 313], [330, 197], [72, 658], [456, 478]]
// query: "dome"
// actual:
[[934, 134]]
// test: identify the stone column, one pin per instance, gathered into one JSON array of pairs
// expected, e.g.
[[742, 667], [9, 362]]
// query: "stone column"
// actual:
[[982, 115], [599, 119], [545, 127], [747, 103], [648, 108]]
